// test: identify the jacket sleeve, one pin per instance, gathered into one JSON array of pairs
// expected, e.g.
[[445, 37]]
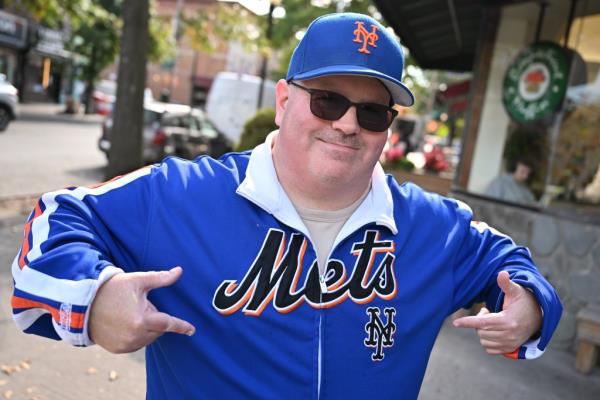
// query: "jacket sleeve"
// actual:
[[73, 241], [481, 253]]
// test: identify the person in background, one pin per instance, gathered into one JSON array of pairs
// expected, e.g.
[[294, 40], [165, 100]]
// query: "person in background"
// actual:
[[512, 186]]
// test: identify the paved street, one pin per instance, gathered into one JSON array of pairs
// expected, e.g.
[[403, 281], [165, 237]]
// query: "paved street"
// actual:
[[44, 152]]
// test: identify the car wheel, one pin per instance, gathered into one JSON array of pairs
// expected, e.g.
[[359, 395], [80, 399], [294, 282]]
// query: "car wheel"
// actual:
[[4, 119]]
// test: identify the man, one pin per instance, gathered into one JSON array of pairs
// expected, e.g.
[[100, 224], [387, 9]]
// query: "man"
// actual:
[[309, 273], [513, 186]]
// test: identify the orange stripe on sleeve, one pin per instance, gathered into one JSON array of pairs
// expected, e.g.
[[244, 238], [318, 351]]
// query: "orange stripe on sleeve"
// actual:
[[512, 355], [77, 319], [25, 247]]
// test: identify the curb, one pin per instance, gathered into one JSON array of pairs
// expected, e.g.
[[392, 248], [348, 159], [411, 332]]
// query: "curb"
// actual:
[[62, 118], [54, 113]]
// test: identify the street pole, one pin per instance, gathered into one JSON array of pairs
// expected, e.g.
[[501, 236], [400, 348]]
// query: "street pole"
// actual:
[[175, 22], [263, 67], [193, 78]]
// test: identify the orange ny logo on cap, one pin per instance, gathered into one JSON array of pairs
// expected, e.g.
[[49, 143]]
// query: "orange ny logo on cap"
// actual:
[[365, 37]]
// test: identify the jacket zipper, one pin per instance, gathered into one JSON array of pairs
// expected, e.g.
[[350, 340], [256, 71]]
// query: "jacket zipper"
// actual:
[[323, 288]]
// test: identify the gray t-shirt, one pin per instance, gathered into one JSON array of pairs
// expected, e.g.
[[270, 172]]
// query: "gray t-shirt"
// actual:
[[506, 188], [324, 227]]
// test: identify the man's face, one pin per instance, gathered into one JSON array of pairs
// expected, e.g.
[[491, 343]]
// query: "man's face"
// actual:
[[521, 173], [320, 151]]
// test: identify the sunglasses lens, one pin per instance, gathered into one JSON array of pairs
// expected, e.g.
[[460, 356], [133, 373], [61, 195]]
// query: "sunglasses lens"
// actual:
[[328, 105], [374, 117], [332, 106]]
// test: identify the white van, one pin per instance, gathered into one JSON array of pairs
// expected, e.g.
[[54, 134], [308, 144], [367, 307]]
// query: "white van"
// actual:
[[232, 100]]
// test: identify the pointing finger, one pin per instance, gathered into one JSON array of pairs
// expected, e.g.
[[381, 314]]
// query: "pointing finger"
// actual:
[[162, 322], [478, 321], [461, 321]]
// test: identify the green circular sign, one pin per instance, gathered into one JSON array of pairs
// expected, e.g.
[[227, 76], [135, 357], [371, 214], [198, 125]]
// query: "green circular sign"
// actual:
[[536, 82]]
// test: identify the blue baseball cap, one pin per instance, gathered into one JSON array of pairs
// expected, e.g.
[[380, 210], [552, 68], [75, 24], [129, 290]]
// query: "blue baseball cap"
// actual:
[[351, 44]]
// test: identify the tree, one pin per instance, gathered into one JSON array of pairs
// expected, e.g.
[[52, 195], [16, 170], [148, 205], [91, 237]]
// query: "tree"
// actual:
[[94, 27], [298, 15], [96, 37], [161, 43], [233, 22], [126, 135], [48, 12], [210, 30]]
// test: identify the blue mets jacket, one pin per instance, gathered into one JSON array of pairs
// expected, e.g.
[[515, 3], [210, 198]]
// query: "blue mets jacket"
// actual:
[[269, 326]]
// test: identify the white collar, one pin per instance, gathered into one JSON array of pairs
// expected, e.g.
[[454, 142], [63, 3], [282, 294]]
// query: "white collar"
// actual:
[[262, 187]]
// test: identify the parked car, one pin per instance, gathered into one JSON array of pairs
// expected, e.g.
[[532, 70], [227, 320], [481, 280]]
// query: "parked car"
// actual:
[[105, 94], [173, 129], [8, 102]]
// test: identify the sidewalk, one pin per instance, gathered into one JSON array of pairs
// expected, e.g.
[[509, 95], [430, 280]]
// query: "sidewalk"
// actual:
[[55, 113], [32, 367], [45, 150], [37, 154]]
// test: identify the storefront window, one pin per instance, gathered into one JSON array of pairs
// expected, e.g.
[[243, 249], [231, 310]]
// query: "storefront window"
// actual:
[[7, 64], [575, 175], [544, 97]]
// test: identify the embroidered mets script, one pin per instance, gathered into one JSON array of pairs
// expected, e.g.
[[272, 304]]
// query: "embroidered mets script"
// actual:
[[365, 37], [274, 277]]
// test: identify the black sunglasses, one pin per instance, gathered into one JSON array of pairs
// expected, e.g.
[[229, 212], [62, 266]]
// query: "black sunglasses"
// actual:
[[331, 106]]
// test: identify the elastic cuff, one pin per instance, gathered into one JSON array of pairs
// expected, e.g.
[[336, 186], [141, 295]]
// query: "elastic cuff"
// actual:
[[528, 351], [81, 337]]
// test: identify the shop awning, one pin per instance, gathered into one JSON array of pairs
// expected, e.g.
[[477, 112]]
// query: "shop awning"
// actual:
[[454, 97], [440, 34]]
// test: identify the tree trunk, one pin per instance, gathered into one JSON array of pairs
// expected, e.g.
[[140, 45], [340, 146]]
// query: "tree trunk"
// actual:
[[128, 114], [90, 75]]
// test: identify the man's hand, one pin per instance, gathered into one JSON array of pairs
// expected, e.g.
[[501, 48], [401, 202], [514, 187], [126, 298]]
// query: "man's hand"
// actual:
[[122, 319], [505, 331]]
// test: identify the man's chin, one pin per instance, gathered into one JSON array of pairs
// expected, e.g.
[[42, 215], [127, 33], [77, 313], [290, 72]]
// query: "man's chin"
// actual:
[[334, 172]]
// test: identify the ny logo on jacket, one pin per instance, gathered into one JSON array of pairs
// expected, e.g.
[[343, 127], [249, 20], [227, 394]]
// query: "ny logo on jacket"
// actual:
[[276, 270], [380, 335]]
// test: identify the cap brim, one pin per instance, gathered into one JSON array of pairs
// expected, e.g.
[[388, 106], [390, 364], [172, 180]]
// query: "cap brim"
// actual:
[[400, 93]]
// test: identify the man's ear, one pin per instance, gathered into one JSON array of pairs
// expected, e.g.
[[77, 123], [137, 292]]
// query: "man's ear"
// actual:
[[281, 99]]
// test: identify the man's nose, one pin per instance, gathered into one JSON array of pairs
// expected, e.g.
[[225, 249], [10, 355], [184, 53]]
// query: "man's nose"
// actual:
[[348, 123]]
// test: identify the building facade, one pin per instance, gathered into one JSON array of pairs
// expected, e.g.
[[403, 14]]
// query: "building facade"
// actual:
[[34, 59], [535, 92], [13, 41]]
